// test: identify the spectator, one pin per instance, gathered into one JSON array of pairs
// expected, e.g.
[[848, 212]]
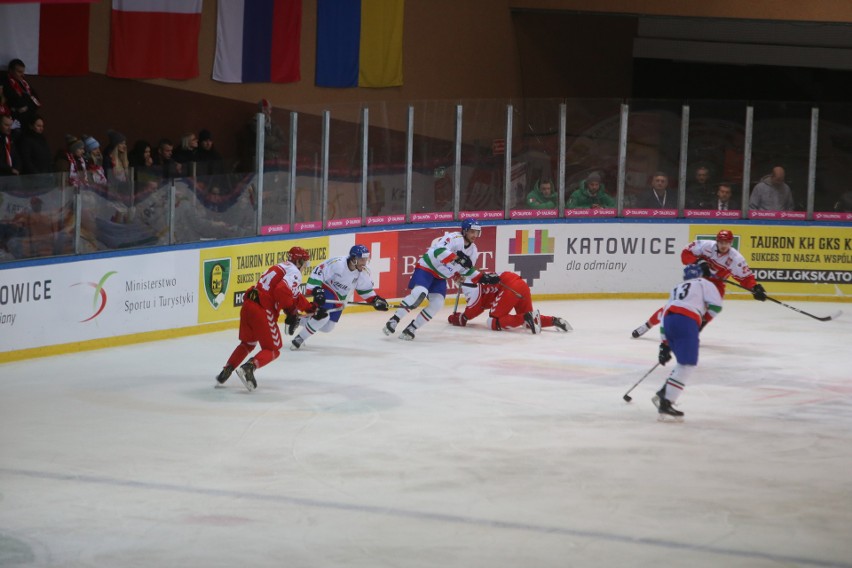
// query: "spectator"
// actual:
[[142, 162], [20, 96], [209, 160], [591, 194], [700, 190], [164, 161], [74, 162], [274, 140], [10, 159], [36, 157], [844, 204], [187, 152], [542, 196], [116, 162], [772, 193], [657, 197], [94, 161], [4, 104], [722, 200]]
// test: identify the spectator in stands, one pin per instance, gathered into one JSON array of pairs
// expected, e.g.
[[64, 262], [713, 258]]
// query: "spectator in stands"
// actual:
[[657, 196], [10, 159], [700, 190], [772, 192], [116, 162], [142, 161], [274, 140], [591, 194], [209, 160], [36, 157], [722, 200], [4, 104], [94, 161], [20, 96], [164, 161], [542, 196], [187, 151], [74, 161]]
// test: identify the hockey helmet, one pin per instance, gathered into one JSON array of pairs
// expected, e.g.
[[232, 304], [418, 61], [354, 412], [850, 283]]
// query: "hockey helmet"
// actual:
[[470, 224], [725, 236], [298, 256], [692, 271], [359, 251]]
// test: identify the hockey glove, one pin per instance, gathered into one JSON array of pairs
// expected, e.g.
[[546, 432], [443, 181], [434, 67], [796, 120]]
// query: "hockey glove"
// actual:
[[759, 293], [458, 319], [665, 353], [291, 322], [705, 268], [489, 278], [320, 312], [319, 296], [463, 260], [379, 303]]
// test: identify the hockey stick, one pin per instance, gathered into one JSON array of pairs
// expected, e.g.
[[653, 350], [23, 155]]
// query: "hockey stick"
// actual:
[[795, 309], [627, 396], [390, 306], [458, 297]]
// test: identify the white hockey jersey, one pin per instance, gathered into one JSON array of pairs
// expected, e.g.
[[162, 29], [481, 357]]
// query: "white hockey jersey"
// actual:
[[439, 260], [335, 275], [697, 298]]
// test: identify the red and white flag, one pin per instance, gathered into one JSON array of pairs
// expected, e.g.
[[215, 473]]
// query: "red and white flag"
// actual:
[[50, 38], [154, 39]]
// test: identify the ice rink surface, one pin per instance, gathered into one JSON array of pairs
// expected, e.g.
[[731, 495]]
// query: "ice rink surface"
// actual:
[[463, 448]]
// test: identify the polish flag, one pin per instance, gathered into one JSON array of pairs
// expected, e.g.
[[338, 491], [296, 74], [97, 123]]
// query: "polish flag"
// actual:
[[151, 39], [50, 38]]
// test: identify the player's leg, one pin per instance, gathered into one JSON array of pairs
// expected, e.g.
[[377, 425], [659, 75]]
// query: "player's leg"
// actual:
[[419, 286], [246, 346], [682, 335], [264, 325], [437, 292], [312, 325]]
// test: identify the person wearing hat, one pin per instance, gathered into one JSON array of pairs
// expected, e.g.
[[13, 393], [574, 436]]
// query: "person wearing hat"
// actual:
[[75, 163], [542, 196], [209, 160], [94, 160], [591, 194]]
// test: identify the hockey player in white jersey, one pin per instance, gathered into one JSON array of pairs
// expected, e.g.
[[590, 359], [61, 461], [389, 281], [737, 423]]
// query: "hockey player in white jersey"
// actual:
[[449, 255], [331, 284], [692, 302], [718, 261]]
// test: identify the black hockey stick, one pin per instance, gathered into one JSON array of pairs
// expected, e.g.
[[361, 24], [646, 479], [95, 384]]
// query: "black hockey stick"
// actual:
[[627, 396], [795, 309]]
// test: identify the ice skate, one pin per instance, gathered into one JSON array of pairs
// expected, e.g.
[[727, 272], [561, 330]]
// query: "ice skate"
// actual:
[[560, 323], [666, 412], [296, 343], [408, 333], [641, 330], [224, 375], [533, 320], [390, 326], [246, 375]]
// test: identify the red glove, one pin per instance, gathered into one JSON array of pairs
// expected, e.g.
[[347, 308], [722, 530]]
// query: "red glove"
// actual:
[[458, 319]]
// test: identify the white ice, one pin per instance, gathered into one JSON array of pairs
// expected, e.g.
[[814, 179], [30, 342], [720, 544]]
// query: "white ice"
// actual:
[[463, 448]]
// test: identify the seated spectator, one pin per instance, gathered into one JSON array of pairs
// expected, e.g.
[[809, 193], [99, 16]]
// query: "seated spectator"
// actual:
[[657, 196], [5, 110], [700, 190], [20, 96], [75, 163], [542, 196], [844, 204], [142, 162], [209, 160], [722, 200], [164, 161], [591, 194], [772, 192], [10, 159], [94, 161], [186, 152], [116, 162], [36, 157]]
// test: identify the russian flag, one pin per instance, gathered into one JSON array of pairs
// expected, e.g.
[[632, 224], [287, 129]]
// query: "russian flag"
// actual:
[[154, 39], [51, 39], [258, 41], [359, 43]]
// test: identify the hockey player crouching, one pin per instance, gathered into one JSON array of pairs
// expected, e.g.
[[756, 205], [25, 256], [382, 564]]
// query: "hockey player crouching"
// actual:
[[693, 301], [330, 283], [451, 254], [276, 290], [510, 294], [718, 260]]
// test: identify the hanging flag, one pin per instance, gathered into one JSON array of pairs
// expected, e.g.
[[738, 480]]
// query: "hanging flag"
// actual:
[[51, 39], [257, 41], [359, 43], [151, 39]]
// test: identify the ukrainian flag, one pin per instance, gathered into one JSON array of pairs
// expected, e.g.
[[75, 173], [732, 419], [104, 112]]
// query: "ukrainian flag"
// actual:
[[359, 43]]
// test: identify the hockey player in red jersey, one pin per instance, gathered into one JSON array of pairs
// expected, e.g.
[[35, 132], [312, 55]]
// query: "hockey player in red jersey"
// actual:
[[508, 304], [718, 261], [276, 290]]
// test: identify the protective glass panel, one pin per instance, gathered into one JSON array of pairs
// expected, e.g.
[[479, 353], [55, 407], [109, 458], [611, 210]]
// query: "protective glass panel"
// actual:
[[833, 194], [434, 160], [37, 217], [483, 161]]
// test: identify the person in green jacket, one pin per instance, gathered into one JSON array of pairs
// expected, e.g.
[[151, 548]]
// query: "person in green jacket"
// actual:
[[542, 196], [590, 195]]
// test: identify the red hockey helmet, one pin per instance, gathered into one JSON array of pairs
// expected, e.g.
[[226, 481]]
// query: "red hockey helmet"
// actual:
[[725, 236], [298, 254]]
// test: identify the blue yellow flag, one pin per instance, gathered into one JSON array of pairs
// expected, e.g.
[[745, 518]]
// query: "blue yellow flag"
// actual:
[[359, 43]]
